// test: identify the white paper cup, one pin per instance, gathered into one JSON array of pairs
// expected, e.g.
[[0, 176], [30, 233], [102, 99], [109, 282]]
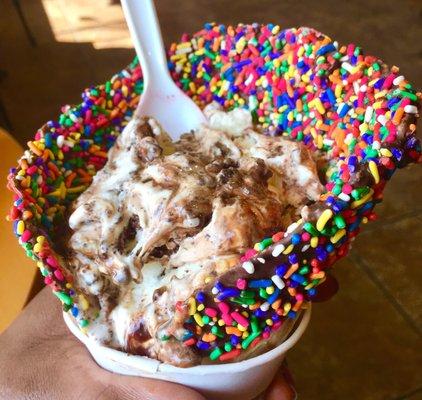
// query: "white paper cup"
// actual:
[[242, 380]]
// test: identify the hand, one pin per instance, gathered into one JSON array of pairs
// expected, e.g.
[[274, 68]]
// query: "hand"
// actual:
[[41, 359], [282, 387]]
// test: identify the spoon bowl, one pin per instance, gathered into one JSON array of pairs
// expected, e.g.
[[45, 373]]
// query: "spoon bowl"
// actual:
[[162, 99]]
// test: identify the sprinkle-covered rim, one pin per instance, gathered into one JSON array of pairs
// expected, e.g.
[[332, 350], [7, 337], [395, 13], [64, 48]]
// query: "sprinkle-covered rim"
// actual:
[[296, 83]]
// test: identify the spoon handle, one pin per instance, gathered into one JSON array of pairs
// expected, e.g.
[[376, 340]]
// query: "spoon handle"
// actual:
[[142, 21]]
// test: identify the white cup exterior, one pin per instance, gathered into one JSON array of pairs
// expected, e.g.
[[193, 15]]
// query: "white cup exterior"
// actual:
[[242, 380]]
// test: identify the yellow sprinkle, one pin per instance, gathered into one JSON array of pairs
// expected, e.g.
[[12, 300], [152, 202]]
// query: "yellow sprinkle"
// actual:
[[287, 307], [200, 307], [37, 247], [318, 275], [364, 220], [319, 106], [314, 242], [208, 279], [269, 322], [192, 306], [363, 200], [241, 328], [288, 249], [20, 227], [270, 289], [245, 335], [323, 219], [221, 322], [198, 320], [40, 239], [83, 302], [374, 171], [40, 265], [338, 235]]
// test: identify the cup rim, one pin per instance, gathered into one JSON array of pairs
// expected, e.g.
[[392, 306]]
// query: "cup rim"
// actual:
[[152, 365]]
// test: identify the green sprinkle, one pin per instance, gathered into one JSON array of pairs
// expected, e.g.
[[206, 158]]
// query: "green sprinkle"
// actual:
[[246, 343], [339, 221], [84, 323], [227, 347], [215, 330], [64, 298], [409, 95], [206, 319], [249, 294], [304, 270], [216, 353], [310, 229], [263, 293], [108, 87]]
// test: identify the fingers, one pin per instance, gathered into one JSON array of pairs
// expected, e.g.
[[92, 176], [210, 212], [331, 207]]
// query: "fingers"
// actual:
[[282, 386], [326, 289], [137, 388]]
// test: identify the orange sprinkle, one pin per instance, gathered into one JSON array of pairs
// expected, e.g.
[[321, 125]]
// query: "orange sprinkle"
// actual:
[[231, 330], [398, 116], [69, 179], [35, 149], [208, 337]]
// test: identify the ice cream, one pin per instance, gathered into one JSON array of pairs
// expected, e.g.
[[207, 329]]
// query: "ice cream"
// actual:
[[161, 220]]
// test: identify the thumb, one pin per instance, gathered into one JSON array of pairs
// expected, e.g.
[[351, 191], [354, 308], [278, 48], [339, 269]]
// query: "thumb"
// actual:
[[281, 387]]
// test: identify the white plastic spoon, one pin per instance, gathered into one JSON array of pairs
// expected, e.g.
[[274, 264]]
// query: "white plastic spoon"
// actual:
[[161, 98]]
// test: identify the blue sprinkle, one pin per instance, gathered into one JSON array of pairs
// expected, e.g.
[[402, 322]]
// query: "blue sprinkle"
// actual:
[[329, 248], [259, 283], [202, 345], [259, 313], [274, 296], [200, 297], [75, 311], [187, 335], [312, 292], [281, 269], [343, 109], [331, 96], [229, 292], [291, 314], [296, 239], [234, 340], [293, 259], [298, 278], [325, 49]]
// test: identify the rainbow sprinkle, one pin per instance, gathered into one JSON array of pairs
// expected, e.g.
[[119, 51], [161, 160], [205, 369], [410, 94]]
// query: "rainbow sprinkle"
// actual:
[[296, 83]]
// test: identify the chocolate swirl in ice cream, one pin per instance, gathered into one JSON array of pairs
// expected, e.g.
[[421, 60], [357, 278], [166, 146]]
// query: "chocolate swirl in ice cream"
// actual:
[[162, 219]]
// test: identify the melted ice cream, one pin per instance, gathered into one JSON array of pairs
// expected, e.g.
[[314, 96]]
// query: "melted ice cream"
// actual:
[[161, 218]]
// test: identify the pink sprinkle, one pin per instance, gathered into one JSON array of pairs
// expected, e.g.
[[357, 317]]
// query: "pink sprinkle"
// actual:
[[48, 280], [52, 261], [266, 334], [347, 189], [227, 319], [32, 170], [305, 236], [26, 235], [277, 325], [388, 81], [59, 275], [211, 312], [299, 297], [250, 253], [224, 307], [240, 319], [241, 284]]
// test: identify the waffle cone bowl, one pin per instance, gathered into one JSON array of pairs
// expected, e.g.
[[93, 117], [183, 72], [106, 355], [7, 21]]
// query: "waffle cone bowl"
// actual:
[[351, 109]]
